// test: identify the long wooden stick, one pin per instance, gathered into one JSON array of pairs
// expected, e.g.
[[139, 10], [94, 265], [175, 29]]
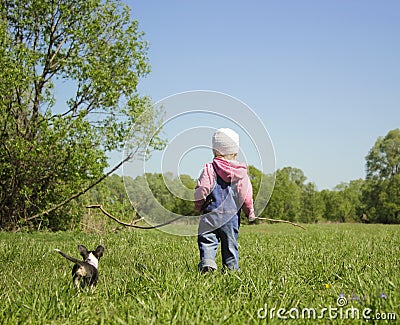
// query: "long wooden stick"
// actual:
[[99, 206], [282, 221]]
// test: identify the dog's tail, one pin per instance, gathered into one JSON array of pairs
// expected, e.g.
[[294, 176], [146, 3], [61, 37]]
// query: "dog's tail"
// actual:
[[72, 259]]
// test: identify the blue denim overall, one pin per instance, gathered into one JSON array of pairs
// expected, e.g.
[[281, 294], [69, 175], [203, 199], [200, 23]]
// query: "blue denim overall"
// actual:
[[220, 223]]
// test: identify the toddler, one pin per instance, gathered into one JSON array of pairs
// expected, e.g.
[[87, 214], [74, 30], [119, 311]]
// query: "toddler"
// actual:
[[223, 189]]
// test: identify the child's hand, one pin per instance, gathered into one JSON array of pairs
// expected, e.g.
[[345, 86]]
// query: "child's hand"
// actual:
[[252, 218]]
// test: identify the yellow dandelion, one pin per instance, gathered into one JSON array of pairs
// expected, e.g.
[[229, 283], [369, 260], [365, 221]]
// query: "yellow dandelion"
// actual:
[[328, 286]]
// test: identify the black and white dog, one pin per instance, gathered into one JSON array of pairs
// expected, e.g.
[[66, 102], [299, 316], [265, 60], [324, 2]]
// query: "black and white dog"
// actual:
[[86, 269]]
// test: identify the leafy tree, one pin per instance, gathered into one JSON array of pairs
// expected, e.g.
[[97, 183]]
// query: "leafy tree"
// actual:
[[263, 185], [381, 191], [312, 204], [342, 204], [185, 204], [332, 199], [381, 200], [285, 199], [352, 200], [383, 160], [188, 182], [255, 176], [90, 52], [295, 175]]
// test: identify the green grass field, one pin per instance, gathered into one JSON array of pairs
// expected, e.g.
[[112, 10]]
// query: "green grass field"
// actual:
[[150, 277]]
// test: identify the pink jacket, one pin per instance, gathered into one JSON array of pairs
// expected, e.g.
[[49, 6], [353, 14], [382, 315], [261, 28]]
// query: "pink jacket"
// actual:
[[229, 171]]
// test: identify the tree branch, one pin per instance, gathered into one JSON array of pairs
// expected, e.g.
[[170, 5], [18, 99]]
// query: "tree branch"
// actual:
[[282, 221], [99, 206]]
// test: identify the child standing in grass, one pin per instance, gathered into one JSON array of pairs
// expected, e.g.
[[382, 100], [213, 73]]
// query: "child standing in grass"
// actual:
[[223, 189]]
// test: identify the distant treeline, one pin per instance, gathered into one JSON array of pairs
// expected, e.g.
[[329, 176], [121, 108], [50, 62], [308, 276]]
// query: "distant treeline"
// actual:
[[292, 198]]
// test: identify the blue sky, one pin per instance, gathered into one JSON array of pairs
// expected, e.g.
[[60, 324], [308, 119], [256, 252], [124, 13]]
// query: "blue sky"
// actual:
[[323, 76]]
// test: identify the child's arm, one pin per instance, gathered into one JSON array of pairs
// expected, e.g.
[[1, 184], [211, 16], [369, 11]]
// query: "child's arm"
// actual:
[[246, 196], [204, 186]]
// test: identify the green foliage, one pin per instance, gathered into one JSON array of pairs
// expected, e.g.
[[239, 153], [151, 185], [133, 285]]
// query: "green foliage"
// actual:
[[312, 207], [381, 200], [255, 176], [151, 277], [343, 204], [50, 149], [175, 194], [381, 192], [383, 160], [286, 197], [294, 200]]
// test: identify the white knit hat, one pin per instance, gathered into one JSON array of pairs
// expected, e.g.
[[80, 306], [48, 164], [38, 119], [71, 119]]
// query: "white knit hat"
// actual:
[[225, 141]]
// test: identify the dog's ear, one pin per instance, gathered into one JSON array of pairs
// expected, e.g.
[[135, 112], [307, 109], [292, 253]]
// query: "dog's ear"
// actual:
[[99, 251], [83, 251]]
